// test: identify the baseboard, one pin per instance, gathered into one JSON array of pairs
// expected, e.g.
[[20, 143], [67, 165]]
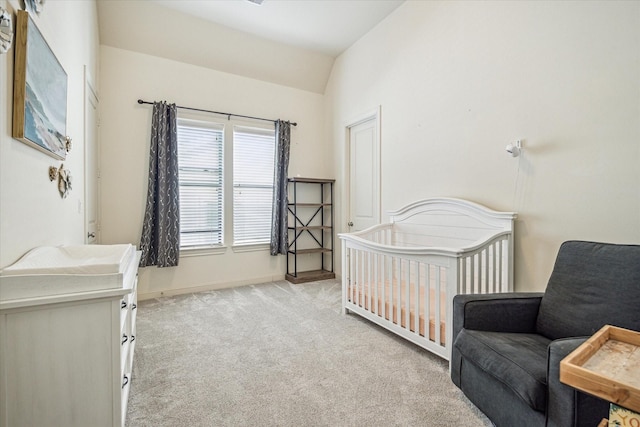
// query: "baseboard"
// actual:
[[208, 287]]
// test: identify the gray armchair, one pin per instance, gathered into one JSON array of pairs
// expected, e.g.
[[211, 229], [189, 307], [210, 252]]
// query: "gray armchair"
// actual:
[[508, 347]]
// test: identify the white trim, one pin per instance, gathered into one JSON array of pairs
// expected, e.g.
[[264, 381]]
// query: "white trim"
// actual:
[[202, 251], [255, 247], [209, 287], [90, 91], [375, 114], [501, 220]]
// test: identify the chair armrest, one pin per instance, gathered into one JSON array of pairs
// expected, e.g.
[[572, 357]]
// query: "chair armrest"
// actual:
[[503, 312], [567, 406]]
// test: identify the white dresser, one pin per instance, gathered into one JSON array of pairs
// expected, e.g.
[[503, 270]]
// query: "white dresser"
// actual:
[[67, 339]]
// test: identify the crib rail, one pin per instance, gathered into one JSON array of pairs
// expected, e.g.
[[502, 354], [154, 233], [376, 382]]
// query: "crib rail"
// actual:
[[380, 234]]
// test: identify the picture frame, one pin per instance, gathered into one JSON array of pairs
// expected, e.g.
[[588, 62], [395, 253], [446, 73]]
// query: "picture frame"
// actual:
[[39, 91]]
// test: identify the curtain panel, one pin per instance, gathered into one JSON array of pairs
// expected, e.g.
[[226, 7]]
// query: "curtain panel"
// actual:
[[279, 233], [160, 241]]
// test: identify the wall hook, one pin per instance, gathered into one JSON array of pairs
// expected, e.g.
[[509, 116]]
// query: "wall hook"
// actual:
[[514, 150]]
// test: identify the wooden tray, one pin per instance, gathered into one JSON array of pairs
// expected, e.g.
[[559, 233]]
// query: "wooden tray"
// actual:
[[607, 365]]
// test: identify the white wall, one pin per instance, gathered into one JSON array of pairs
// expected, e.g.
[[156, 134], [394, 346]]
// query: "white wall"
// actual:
[[458, 81], [32, 212], [124, 138]]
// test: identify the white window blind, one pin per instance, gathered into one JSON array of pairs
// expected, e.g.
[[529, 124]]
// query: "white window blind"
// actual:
[[200, 160], [253, 167]]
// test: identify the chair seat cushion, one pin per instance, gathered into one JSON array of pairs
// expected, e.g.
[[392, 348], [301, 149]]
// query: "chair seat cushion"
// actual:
[[519, 361]]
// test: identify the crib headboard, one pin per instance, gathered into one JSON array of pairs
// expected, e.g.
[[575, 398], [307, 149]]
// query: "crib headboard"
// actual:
[[447, 222]]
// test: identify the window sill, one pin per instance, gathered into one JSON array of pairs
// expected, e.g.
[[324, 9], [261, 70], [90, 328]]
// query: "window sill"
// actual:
[[251, 247], [202, 251]]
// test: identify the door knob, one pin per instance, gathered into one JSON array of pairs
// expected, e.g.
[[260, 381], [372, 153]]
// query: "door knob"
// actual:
[[350, 223]]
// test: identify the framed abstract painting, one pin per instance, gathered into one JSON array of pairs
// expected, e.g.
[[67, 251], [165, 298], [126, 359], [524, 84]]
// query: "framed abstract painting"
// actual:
[[39, 91]]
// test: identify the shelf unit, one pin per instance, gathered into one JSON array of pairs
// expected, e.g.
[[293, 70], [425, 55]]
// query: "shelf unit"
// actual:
[[310, 229]]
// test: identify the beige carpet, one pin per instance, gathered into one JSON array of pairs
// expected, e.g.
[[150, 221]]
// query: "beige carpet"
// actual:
[[280, 354]]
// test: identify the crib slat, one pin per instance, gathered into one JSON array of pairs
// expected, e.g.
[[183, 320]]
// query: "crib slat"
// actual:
[[427, 292], [398, 279], [352, 274], [463, 276], [368, 279], [436, 301], [394, 303], [487, 270], [383, 276], [480, 273], [496, 265], [485, 266], [407, 302], [478, 289], [416, 298], [482, 262], [358, 266], [501, 269], [391, 293], [486, 261], [365, 281], [375, 284], [473, 274], [494, 282]]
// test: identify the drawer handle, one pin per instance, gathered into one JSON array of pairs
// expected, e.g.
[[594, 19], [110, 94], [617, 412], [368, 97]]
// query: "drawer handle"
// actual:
[[134, 306], [123, 304], [125, 381], [133, 338], [124, 339]]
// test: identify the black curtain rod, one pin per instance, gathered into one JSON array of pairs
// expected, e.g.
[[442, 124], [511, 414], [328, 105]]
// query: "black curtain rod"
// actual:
[[140, 101]]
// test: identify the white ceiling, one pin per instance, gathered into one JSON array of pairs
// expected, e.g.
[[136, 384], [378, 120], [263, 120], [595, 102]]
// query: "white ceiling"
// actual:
[[287, 42], [326, 26]]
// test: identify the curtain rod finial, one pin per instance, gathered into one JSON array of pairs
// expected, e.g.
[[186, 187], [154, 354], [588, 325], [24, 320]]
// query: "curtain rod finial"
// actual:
[[140, 101]]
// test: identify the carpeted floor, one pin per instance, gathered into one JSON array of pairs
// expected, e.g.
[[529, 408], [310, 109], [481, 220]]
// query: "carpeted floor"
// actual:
[[280, 354]]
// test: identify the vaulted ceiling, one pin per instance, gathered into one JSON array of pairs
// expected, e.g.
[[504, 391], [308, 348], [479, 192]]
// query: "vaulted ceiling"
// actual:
[[287, 42]]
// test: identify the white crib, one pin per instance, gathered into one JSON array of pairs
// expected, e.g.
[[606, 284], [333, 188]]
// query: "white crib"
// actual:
[[403, 275]]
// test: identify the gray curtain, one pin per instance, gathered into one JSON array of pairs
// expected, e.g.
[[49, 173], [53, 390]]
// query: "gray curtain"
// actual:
[[160, 241], [279, 234]]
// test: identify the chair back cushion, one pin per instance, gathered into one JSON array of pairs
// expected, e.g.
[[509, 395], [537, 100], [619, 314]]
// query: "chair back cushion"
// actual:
[[592, 285]]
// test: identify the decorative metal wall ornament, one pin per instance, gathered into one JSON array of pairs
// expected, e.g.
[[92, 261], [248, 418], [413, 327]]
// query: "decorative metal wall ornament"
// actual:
[[53, 173], [64, 179], [6, 30], [34, 5]]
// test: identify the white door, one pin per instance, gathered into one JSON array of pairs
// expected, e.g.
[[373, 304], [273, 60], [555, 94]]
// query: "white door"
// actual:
[[364, 173], [91, 169]]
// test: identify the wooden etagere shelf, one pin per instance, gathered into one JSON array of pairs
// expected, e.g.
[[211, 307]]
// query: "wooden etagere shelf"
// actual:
[[310, 229]]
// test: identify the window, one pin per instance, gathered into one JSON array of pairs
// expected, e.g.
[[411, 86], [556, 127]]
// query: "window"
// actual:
[[200, 160], [253, 167], [205, 195]]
